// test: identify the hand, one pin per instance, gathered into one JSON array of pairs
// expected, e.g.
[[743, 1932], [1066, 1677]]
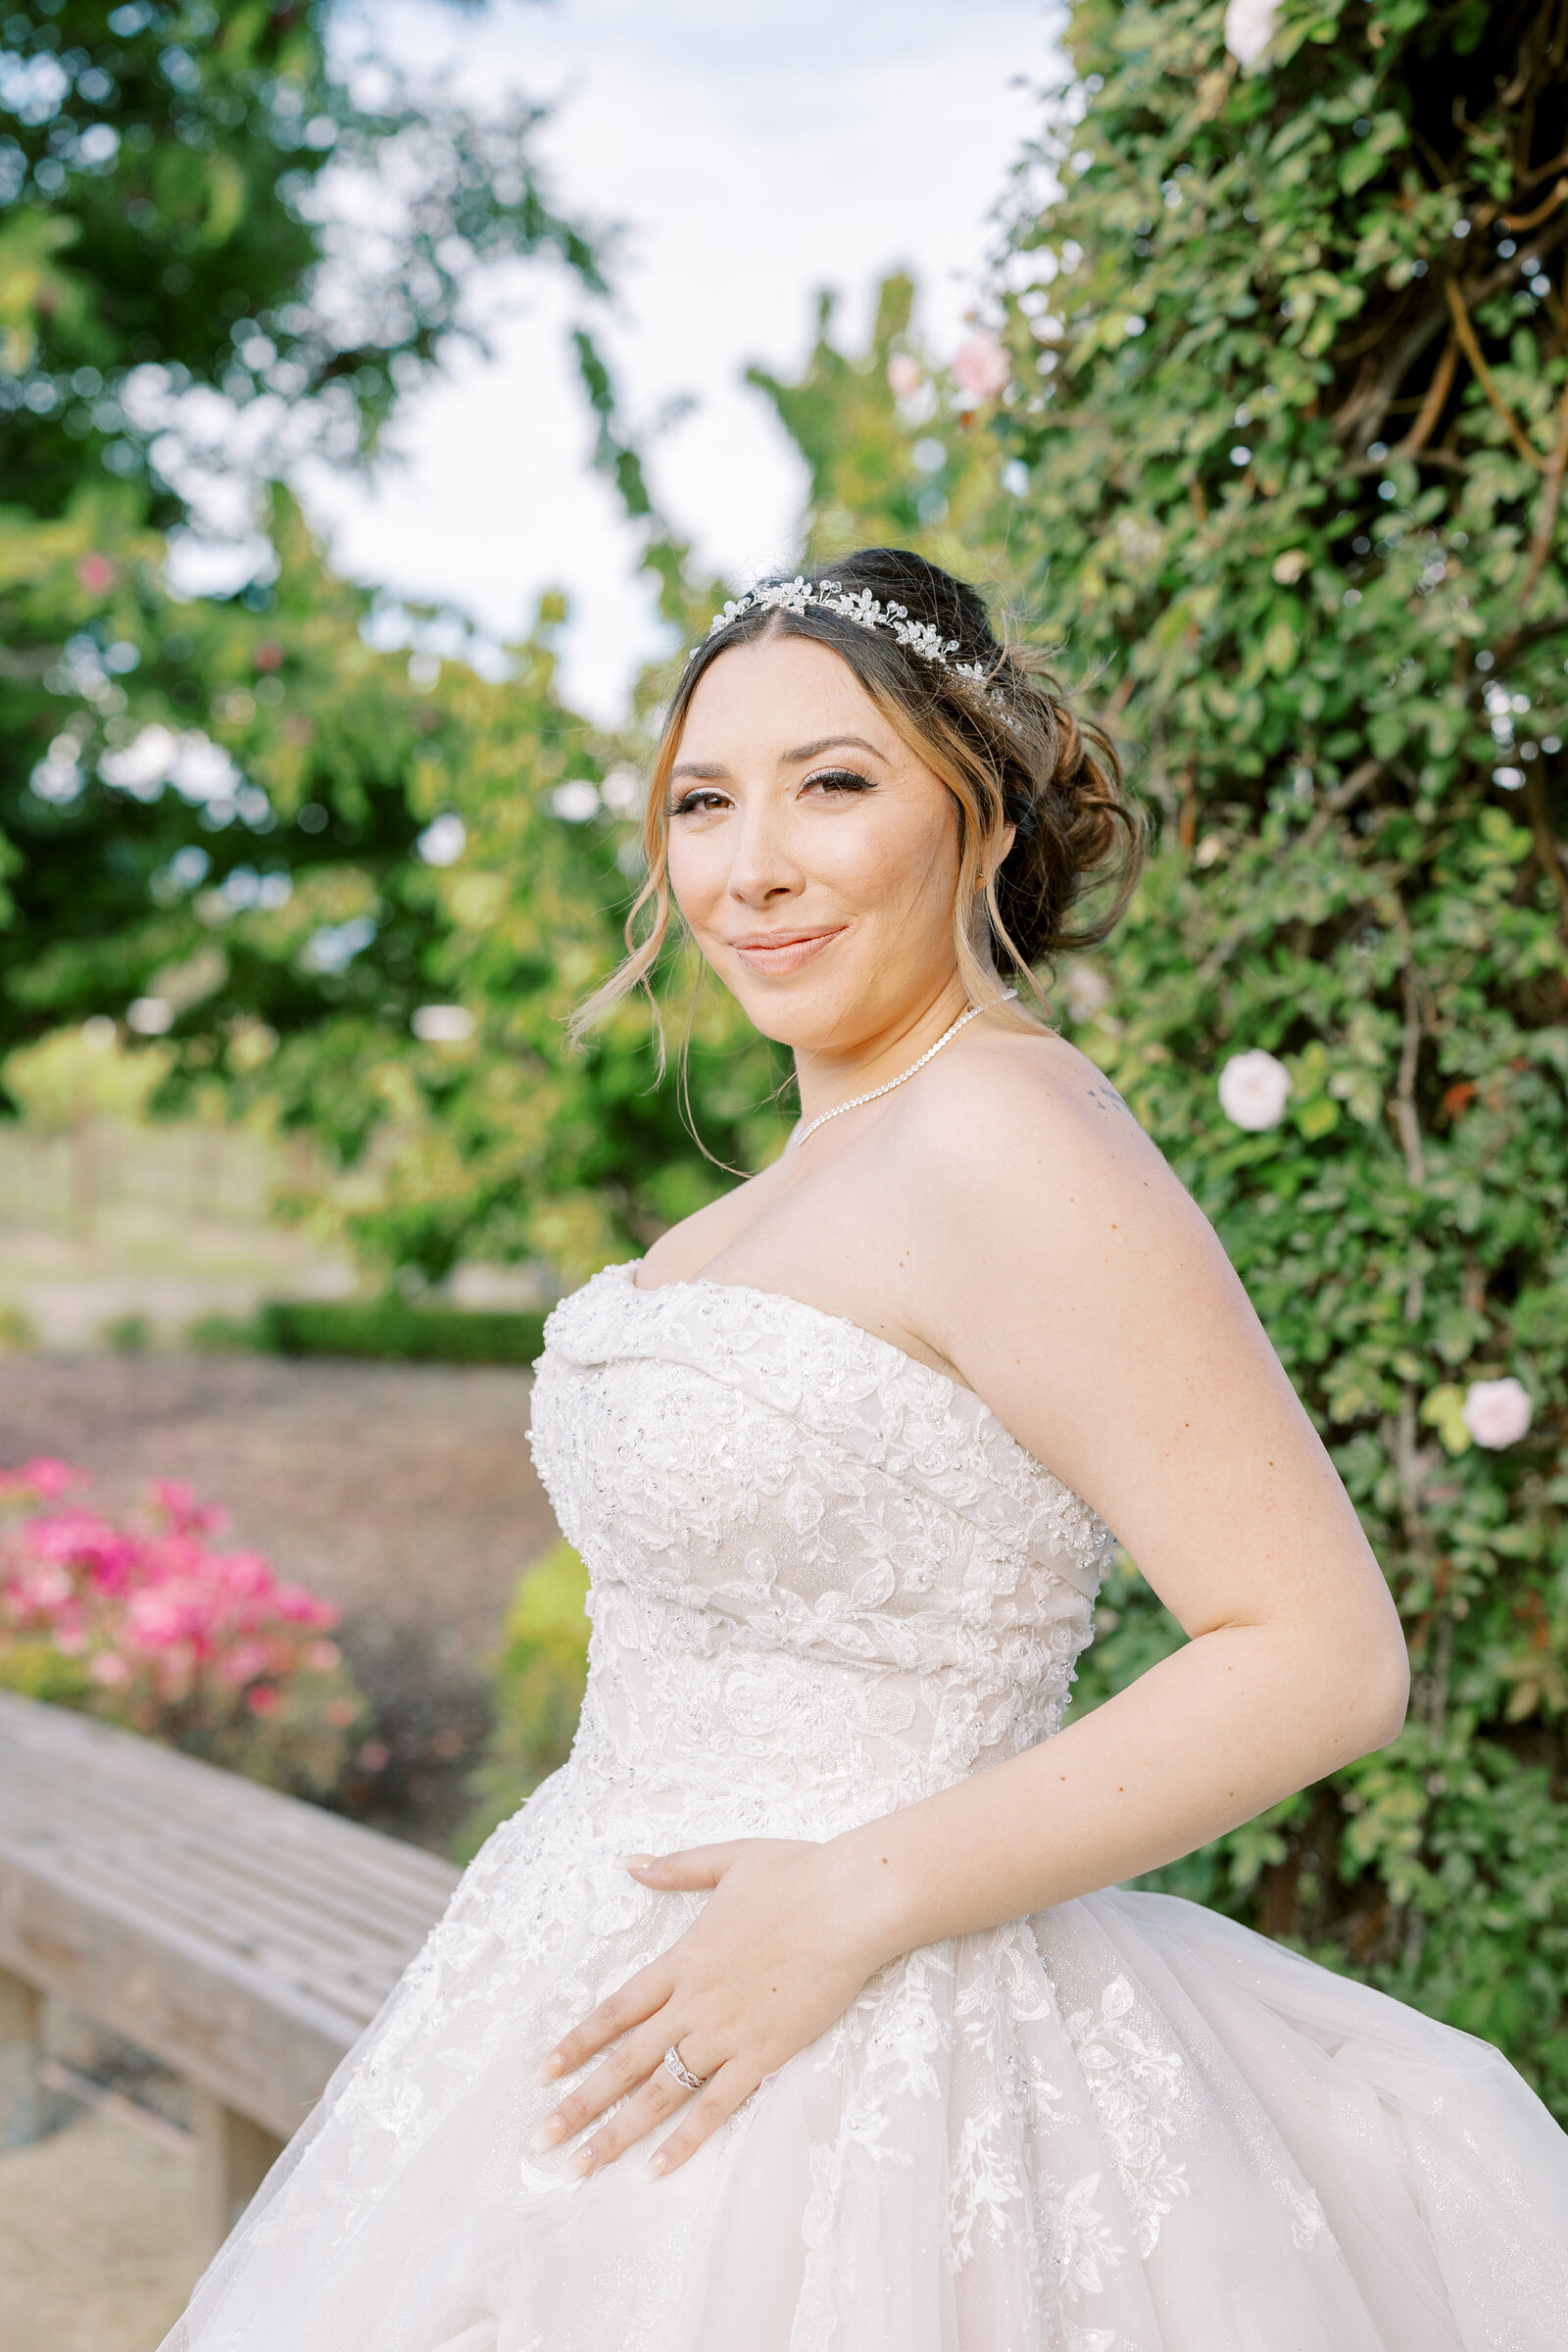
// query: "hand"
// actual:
[[777, 1956]]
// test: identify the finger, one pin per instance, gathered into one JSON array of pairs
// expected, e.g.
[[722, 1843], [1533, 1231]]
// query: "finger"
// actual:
[[725, 2091], [623, 2070], [638, 1999], [652, 2103], [693, 1867]]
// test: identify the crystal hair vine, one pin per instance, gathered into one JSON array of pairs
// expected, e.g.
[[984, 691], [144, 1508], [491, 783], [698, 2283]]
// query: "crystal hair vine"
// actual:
[[859, 605]]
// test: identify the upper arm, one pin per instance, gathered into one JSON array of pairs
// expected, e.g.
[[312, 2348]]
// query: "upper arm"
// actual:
[[1082, 1293]]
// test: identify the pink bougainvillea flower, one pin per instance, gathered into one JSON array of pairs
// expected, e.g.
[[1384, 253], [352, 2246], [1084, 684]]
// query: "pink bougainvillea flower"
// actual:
[[176, 1501], [161, 1620], [43, 1476], [244, 1662], [981, 367], [301, 1607]]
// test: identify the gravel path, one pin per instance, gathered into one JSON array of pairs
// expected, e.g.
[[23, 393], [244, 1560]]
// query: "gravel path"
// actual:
[[405, 1492]]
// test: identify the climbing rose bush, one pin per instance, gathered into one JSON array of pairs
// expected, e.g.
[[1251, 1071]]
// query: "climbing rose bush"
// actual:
[[149, 1624]]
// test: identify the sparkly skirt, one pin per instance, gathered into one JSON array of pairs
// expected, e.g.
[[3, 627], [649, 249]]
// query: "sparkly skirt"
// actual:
[[1123, 2126]]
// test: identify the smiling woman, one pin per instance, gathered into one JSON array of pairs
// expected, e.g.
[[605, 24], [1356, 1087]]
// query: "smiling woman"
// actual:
[[997, 806], [823, 1912]]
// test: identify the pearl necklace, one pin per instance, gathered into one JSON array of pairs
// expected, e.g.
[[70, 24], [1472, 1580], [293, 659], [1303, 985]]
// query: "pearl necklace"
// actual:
[[854, 1103]]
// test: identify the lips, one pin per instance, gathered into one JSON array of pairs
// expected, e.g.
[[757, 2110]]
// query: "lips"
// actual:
[[783, 951]]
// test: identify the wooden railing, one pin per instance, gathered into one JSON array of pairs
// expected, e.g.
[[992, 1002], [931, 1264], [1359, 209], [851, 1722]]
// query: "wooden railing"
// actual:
[[239, 1937]]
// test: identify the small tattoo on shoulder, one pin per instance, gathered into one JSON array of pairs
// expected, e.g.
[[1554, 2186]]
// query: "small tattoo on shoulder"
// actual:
[[1106, 1095]]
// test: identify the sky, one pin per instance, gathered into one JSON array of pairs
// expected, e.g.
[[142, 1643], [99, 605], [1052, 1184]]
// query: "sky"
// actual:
[[754, 154]]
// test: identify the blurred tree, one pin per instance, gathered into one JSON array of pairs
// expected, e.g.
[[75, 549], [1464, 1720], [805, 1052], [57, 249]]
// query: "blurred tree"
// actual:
[[191, 205]]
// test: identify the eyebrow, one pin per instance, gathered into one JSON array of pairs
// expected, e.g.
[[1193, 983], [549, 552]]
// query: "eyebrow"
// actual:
[[709, 771]]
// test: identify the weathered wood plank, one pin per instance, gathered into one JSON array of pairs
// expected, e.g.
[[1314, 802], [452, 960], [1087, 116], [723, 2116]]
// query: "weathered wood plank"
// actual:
[[242, 1938]]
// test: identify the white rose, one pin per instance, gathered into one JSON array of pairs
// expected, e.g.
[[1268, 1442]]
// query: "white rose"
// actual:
[[1498, 1412], [1253, 1089], [1248, 28]]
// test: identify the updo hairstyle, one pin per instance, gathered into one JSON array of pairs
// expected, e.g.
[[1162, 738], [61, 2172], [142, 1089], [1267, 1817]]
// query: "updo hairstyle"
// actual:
[[1007, 744]]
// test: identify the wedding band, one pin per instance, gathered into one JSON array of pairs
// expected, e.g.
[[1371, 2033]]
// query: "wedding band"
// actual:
[[682, 2072]]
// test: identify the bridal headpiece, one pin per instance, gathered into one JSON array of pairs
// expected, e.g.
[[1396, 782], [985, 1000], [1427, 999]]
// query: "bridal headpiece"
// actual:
[[859, 605]]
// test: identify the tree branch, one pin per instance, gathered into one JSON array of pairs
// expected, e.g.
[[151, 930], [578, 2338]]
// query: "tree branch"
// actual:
[[1404, 1111], [1550, 503], [1361, 779], [1465, 330], [1545, 848], [1520, 223], [1432, 407]]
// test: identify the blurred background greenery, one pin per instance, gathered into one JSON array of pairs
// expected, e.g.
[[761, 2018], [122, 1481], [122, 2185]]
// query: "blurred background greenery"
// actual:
[[1263, 429]]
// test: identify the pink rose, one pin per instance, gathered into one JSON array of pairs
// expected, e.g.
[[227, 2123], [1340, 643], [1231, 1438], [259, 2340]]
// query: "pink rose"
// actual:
[[95, 572], [1496, 1412], [982, 368], [263, 1700], [904, 375], [1253, 1090], [110, 1669]]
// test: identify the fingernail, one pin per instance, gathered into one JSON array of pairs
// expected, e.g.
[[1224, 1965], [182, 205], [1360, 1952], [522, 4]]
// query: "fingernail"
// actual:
[[640, 1861], [550, 2071], [584, 2164], [656, 2165], [550, 2135]]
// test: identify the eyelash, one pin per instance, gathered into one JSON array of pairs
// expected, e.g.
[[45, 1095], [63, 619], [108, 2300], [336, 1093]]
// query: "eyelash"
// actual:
[[841, 779]]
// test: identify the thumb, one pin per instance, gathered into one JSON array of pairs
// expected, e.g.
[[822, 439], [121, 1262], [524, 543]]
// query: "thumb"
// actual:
[[693, 1868]]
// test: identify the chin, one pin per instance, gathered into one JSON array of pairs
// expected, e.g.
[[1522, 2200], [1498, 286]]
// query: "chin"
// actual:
[[798, 1010]]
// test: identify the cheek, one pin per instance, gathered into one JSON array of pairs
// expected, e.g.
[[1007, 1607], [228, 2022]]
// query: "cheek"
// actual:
[[694, 878], [898, 859]]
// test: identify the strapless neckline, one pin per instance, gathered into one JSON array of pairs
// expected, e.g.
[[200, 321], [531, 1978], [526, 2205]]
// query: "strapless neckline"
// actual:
[[785, 1301]]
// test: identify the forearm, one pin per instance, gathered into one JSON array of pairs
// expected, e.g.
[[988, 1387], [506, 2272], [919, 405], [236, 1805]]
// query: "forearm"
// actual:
[[1203, 1742]]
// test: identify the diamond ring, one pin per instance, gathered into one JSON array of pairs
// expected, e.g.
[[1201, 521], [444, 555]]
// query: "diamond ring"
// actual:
[[682, 2072]]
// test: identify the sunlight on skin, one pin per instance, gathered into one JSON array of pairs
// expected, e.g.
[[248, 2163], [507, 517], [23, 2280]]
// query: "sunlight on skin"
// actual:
[[1005, 1220], [815, 856]]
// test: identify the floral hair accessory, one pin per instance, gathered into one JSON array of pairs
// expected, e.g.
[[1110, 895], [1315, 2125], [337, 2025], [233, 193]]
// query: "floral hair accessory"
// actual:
[[859, 605]]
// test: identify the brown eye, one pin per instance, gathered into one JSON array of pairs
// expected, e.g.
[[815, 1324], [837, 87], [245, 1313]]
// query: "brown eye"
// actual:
[[838, 780]]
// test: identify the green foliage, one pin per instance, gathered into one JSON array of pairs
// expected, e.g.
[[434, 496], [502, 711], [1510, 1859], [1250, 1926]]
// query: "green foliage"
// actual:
[[1294, 451], [393, 1328], [540, 1675], [161, 234]]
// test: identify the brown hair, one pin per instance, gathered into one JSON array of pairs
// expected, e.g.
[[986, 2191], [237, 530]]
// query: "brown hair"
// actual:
[[1008, 746]]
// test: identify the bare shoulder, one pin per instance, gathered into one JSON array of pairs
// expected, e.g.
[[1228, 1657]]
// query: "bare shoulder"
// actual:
[[1024, 1113], [1050, 1238]]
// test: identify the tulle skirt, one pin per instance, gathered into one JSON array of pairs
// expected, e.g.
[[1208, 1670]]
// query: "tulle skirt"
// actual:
[[1125, 2124]]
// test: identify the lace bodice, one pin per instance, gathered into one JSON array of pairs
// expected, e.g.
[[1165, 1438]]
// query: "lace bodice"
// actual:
[[823, 1574]]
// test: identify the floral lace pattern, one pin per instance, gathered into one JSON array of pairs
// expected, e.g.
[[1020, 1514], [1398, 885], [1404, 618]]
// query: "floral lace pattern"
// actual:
[[826, 1581]]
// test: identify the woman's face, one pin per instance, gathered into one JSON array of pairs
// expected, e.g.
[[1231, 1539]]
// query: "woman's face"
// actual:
[[813, 854]]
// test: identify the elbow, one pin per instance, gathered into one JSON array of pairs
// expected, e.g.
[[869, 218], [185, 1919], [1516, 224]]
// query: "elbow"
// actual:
[[1383, 1698]]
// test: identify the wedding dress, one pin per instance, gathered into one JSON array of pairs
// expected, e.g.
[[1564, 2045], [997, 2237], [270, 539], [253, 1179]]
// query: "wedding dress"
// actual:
[[827, 1582]]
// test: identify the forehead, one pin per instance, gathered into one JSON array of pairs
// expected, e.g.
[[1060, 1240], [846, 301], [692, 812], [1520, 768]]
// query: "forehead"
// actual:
[[774, 693]]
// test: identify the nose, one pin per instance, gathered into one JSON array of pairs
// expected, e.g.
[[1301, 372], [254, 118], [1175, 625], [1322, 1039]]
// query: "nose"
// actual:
[[764, 870]]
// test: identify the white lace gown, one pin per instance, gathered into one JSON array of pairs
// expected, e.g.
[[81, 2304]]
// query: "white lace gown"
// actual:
[[827, 1582]]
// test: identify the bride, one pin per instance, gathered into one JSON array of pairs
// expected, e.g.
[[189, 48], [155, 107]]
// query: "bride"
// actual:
[[799, 2012]]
